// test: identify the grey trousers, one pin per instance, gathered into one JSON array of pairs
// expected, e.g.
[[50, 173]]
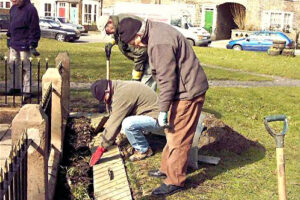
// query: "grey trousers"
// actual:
[[147, 78], [15, 62]]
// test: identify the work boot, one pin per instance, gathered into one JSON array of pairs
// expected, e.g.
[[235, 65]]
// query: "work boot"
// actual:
[[140, 156], [27, 98], [165, 190], [157, 174]]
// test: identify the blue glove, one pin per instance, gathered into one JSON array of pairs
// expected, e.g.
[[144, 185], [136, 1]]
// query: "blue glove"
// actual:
[[163, 119]]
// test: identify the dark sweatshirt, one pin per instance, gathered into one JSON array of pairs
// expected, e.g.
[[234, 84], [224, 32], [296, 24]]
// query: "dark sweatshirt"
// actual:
[[24, 29], [174, 64]]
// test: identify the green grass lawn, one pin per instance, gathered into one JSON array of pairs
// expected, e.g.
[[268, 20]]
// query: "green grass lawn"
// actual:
[[251, 175], [89, 63], [259, 62]]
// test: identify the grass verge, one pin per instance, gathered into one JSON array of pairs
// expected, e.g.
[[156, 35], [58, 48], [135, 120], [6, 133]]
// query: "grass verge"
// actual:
[[89, 63], [259, 62]]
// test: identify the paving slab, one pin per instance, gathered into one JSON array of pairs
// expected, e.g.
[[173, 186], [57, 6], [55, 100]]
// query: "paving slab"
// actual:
[[110, 178]]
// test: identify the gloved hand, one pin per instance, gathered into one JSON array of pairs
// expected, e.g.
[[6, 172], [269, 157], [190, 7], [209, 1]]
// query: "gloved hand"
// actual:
[[8, 42], [97, 156], [34, 52], [136, 75], [163, 119], [108, 47]]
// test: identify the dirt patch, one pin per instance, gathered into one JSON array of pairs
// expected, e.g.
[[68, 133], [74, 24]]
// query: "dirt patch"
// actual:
[[219, 136], [75, 175]]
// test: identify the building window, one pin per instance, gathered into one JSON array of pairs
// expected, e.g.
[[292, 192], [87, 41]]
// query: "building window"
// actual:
[[62, 4], [277, 21], [95, 13], [87, 13], [47, 9], [5, 4]]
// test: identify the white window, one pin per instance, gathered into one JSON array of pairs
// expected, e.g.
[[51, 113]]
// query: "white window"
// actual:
[[62, 4], [47, 9], [87, 13], [5, 4], [277, 21]]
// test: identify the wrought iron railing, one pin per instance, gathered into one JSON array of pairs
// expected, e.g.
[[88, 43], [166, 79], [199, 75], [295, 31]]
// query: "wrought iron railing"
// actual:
[[13, 176], [34, 94]]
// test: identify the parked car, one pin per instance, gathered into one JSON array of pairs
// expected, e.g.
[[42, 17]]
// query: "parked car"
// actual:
[[259, 41], [4, 22], [52, 29], [68, 25]]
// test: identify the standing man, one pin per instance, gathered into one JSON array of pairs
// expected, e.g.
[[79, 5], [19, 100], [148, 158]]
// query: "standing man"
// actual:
[[134, 107], [141, 69], [23, 36], [182, 84]]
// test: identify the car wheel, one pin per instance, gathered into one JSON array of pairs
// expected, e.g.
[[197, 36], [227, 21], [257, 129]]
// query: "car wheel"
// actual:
[[237, 47], [191, 42], [60, 37]]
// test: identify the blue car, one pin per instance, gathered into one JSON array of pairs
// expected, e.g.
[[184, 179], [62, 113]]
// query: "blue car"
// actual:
[[259, 41]]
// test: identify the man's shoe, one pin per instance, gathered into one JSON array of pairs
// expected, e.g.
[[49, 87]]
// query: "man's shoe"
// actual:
[[140, 156], [156, 173], [165, 190]]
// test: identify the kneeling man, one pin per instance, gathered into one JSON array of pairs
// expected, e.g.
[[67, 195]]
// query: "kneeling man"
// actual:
[[134, 107]]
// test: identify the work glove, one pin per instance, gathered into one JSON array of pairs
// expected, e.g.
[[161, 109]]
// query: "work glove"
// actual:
[[163, 119], [97, 156], [8, 42], [34, 52], [136, 75], [108, 47]]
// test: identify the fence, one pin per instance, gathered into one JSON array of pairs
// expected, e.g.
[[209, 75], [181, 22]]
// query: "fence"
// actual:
[[13, 179], [12, 75], [44, 124]]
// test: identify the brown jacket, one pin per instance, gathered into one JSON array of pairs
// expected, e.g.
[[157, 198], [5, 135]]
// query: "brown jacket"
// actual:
[[129, 98], [174, 64]]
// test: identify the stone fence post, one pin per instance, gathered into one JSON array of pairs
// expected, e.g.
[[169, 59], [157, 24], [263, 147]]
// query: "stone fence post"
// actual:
[[32, 118], [60, 80]]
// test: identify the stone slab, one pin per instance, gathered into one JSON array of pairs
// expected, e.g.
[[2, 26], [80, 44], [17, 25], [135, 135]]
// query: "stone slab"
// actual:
[[110, 179]]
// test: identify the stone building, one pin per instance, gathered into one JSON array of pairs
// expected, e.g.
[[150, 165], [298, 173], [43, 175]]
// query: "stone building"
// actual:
[[218, 17]]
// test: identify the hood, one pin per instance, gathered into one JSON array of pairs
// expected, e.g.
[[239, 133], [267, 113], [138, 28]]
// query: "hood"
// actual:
[[25, 2]]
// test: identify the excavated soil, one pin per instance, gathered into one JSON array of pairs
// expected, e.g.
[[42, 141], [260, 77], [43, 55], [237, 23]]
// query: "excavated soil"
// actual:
[[75, 175]]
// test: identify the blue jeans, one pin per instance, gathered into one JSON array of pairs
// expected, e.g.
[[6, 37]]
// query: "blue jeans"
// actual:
[[135, 127]]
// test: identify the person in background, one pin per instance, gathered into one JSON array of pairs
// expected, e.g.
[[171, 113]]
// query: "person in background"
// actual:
[[182, 86], [141, 69], [23, 36]]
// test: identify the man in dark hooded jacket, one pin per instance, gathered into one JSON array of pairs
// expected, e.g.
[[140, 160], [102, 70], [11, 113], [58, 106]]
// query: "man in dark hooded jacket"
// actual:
[[22, 40]]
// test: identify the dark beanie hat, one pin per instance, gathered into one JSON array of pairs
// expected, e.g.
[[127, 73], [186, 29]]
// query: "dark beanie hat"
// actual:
[[98, 88], [128, 28]]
